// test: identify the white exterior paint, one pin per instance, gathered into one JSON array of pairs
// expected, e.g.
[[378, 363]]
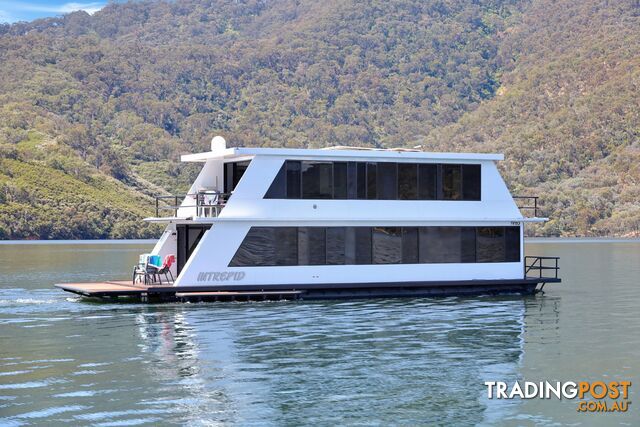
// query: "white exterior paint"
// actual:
[[247, 207]]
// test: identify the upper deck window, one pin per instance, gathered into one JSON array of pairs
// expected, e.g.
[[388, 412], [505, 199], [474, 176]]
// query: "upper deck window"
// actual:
[[233, 171], [376, 181]]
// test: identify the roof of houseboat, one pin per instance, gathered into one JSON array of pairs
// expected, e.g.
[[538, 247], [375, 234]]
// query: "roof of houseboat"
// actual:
[[334, 152]]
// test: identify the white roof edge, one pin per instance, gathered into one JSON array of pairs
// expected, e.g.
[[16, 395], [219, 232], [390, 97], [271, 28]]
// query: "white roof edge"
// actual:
[[341, 220], [329, 153]]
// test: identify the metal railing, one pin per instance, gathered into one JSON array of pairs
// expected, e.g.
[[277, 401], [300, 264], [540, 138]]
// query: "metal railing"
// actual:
[[528, 204], [540, 264], [208, 204]]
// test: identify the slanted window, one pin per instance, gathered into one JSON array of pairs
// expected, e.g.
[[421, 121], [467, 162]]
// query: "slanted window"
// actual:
[[233, 172]]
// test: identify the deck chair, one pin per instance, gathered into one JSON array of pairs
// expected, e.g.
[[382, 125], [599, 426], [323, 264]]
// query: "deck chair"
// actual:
[[164, 269], [148, 268]]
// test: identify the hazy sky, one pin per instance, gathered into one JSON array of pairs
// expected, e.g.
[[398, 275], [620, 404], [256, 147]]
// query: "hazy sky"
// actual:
[[14, 10]]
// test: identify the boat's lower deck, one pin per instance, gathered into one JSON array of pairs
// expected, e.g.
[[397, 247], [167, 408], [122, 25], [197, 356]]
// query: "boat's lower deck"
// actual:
[[114, 290]]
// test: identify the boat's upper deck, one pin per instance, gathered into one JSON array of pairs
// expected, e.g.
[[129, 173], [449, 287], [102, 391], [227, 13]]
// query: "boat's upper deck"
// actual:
[[342, 184]]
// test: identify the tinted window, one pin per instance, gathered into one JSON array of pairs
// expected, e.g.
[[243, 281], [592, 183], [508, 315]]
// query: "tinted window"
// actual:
[[352, 180], [359, 180], [440, 244], [362, 180], [311, 246], [471, 182], [451, 182], [286, 246], [270, 246], [278, 188], [407, 181], [512, 244], [256, 249], [410, 245], [340, 180], [490, 244], [387, 181], [363, 245], [317, 180], [427, 182], [293, 180], [372, 191], [335, 245], [387, 245], [468, 242]]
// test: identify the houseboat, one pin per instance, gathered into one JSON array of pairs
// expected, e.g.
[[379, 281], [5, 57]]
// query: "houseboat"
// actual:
[[340, 222]]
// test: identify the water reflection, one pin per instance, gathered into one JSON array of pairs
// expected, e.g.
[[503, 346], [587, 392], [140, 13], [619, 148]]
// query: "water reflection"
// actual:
[[422, 361]]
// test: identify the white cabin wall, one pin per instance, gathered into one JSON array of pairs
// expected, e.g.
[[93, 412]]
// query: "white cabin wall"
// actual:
[[219, 245], [167, 245]]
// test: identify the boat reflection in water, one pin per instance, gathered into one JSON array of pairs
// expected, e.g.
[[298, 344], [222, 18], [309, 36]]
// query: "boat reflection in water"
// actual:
[[415, 360]]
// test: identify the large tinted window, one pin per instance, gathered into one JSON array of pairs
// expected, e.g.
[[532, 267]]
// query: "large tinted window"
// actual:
[[387, 181], [340, 180], [410, 245], [451, 182], [471, 182], [490, 244], [317, 180], [257, 248], [387, 245], [381, 181], [336, 245], [311, 246], [372, 180], [362, 180], [363, 245], [440, 244], [270, 246], [352, 180], [512, 244], [427, 182], [407, 181], [294, 189]]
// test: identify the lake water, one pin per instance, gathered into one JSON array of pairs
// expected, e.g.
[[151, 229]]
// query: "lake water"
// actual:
[[360, 362]]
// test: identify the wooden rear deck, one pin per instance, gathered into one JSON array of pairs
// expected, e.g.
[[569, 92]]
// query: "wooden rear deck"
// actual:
[[115, 290]]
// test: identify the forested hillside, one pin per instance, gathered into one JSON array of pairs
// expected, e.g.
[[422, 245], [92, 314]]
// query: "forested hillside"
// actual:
[[95, 110]]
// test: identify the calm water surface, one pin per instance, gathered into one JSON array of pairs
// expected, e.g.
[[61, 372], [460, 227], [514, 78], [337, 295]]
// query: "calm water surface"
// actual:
[[360, 362]]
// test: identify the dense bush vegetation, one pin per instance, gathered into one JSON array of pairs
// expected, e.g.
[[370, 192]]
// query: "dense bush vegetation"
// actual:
[[94, 110]]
